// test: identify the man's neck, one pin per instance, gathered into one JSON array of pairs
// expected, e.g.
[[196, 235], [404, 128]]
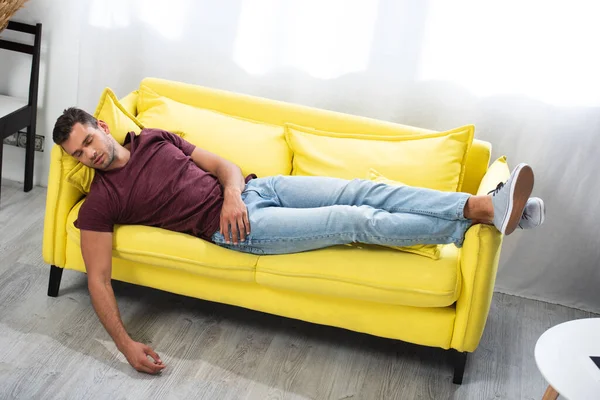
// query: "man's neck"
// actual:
[[122, 155]]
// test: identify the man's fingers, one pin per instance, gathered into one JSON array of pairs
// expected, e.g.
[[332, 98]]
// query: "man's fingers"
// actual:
[[153, 368], [235, 232], [227, 232], [152, 354], [143, 368], [242, 228], [226, 229], [246, 223], [235, 227]]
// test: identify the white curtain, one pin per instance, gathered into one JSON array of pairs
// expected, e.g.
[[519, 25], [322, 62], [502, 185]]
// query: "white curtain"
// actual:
[[526, 73]]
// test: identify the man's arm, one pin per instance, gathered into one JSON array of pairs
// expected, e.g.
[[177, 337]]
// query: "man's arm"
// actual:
[[234, 215], [96, 248], [229, 175]]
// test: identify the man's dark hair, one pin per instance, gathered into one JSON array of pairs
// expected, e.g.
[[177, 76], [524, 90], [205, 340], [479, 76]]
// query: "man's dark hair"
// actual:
[[64, 124]]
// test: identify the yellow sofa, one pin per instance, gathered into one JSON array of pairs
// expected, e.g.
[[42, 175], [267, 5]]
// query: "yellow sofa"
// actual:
[[442, 303]]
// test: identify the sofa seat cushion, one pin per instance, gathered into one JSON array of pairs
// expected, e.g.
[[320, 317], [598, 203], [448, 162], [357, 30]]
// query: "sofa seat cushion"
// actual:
[[368, 273], [160, 247]]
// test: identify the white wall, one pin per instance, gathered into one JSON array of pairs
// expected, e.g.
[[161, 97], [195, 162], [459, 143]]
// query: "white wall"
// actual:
[[523, 71], [59, 71]]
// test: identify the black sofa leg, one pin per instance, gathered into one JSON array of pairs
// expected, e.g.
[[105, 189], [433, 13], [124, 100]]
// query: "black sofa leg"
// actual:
[[54, 282], [459, 360]]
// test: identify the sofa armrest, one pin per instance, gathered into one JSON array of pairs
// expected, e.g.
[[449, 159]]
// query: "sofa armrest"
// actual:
[[479, 258], [60, 199]]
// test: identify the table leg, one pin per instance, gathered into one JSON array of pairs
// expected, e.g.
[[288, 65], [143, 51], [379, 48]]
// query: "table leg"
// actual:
[[550, 394]]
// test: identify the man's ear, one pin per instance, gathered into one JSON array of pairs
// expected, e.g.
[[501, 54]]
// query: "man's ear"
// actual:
[[102, 125]]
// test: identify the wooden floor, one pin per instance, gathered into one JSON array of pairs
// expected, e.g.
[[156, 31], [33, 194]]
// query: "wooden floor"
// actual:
[[55, 348]]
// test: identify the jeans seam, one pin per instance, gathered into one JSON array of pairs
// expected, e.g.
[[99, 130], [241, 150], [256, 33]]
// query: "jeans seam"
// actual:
[[250, 249], [458, 214], [273, 194], [466, 225], [445, 216], [297, 239], [460, 210]]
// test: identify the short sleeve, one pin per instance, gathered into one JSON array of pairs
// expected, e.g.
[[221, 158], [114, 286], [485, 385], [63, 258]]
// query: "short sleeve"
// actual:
[[179, 142], [95, 215]]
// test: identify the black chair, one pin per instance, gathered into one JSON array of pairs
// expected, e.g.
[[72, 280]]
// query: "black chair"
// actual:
[[16, 113]]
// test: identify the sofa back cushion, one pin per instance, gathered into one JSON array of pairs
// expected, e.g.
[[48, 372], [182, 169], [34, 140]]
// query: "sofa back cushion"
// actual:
[[498, 172], [256, 147], [278, 113], [430, 160], [119, 121]]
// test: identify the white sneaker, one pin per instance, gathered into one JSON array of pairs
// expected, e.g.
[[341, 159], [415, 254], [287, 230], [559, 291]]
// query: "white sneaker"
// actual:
[[534, 214], [509, 198]]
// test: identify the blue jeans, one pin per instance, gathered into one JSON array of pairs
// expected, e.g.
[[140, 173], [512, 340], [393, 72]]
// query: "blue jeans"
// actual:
[[290, 214]]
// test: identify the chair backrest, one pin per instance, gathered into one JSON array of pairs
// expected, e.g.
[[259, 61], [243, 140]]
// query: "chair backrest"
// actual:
[[33, 50]]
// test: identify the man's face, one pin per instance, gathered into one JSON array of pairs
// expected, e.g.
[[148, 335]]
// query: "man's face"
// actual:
[[91, 146]]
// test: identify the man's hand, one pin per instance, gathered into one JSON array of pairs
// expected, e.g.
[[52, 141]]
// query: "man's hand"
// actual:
[[137, 355], [234, 217]]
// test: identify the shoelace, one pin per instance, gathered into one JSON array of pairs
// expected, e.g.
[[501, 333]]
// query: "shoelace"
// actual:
[[498, 188], [525, 217]]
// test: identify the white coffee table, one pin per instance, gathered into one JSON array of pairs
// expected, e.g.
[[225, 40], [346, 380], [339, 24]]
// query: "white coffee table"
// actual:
[[562, 355]]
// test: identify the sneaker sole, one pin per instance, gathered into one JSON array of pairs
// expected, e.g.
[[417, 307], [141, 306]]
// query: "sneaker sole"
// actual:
[[542, 215], [519, 194], [543, 207]]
